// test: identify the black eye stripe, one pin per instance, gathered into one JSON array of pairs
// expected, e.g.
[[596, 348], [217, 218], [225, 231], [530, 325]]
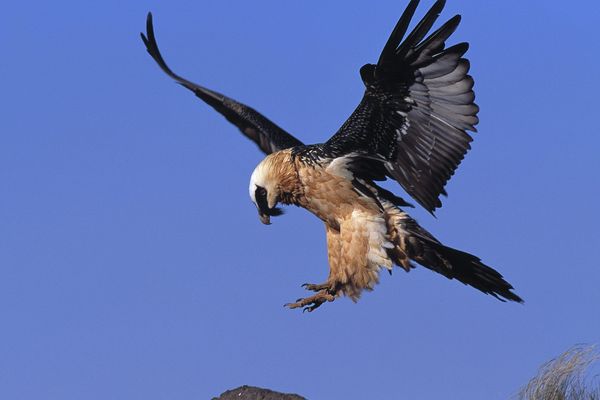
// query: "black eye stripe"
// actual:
[[260, 195]]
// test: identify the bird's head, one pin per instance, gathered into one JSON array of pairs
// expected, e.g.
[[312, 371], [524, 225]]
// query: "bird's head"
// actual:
[[264, 191]]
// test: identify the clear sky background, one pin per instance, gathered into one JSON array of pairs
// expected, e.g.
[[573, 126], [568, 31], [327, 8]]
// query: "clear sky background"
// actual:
[[133, 264]]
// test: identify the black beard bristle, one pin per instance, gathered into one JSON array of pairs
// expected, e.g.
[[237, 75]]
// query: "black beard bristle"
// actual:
[[275, 211]]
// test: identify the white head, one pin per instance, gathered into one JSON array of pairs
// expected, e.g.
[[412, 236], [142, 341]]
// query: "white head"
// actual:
[[264, 191]]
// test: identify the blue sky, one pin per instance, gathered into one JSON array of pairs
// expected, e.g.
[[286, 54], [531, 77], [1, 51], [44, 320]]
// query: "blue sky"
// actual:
[[133, 264]]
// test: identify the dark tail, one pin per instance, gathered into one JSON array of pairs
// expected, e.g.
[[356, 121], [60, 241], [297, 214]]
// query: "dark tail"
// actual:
[[413, 242], [456, 264]]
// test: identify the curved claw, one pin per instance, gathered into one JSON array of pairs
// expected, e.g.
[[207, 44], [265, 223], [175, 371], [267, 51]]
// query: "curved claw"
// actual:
[[312, 307]]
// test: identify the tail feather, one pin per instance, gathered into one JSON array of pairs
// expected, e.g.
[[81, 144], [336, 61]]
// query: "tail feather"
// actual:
[[413, 243], [468, 269]]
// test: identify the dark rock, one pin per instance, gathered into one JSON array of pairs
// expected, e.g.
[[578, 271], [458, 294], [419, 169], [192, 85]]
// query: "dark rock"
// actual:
[[253, 393]]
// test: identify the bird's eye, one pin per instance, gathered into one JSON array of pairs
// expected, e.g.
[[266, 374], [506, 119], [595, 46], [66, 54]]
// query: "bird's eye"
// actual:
[[261, 191]]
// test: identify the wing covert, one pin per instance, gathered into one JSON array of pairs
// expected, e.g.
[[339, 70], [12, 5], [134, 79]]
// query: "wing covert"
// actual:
[[267, 135], [417, 108]]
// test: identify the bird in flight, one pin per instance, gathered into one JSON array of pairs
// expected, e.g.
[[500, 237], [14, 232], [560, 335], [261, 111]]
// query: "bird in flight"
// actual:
[[411, 126]]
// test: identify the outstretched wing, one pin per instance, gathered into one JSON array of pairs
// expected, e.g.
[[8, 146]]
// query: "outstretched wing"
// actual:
[[416, 110], [268, 136]]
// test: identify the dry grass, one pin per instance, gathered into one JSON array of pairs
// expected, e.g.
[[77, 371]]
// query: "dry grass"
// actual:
[[564, 378]]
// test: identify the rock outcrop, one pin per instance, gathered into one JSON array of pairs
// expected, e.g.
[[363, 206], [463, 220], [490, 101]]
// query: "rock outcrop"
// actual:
[[254, 393]]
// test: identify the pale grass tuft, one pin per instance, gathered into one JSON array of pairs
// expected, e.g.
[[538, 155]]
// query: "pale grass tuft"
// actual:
[[564, 378]]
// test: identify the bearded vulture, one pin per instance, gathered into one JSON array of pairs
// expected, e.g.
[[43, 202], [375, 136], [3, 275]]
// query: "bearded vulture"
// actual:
[[411, 126]]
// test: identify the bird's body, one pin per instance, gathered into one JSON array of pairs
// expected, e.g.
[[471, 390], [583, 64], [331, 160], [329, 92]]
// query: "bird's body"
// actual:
[[358, 236], [410, 126]]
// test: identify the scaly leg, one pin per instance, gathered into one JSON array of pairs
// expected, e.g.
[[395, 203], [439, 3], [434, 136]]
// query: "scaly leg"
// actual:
[[313, 302], [329, 287]]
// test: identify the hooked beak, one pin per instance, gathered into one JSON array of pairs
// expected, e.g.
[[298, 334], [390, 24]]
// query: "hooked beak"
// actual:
[[264, 218]]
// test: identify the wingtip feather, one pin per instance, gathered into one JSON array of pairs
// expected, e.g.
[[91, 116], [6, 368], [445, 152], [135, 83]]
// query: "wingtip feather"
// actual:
[[398, 32], [149, 25], [421, 29]]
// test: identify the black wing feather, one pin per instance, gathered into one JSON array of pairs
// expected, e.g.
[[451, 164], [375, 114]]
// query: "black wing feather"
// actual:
[[421, 29], [416, 110], [267, 135], [398, 32]]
